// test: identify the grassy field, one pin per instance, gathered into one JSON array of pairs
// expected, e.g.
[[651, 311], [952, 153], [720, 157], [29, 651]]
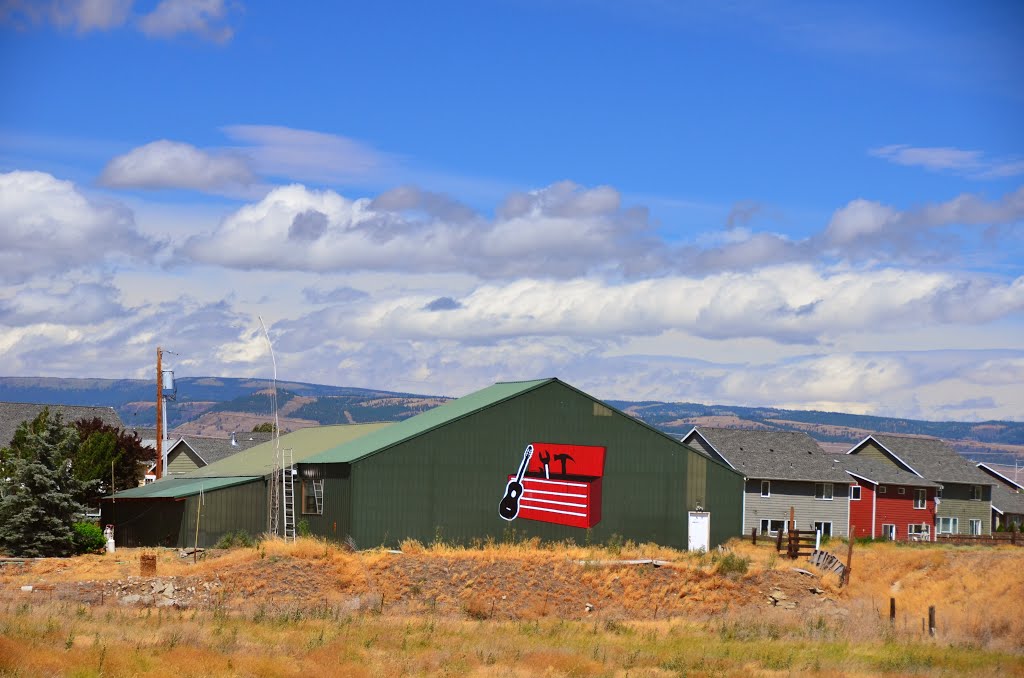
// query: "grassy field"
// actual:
[[520, 610]]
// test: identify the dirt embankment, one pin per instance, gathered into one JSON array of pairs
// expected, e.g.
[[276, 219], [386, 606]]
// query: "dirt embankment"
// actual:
[[972, 587], [499, 583]]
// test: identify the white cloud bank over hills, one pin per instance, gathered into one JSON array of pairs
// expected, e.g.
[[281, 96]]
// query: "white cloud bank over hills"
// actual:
[[415, 291]]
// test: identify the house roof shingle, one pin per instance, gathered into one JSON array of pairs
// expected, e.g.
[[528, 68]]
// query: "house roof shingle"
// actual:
[[773, 455], [12, 414], [881, 472], [1007, 494], [932, 458], [1005, 500]]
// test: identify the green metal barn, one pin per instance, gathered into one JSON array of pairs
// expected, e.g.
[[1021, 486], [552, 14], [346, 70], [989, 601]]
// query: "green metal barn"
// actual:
[[592, 472], [532, 458]]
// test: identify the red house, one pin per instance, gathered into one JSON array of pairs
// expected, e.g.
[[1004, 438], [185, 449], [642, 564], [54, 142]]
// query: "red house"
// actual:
[[890, 503]]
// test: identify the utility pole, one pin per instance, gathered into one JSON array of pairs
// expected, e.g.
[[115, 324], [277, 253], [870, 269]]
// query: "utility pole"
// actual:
[[159, 414]]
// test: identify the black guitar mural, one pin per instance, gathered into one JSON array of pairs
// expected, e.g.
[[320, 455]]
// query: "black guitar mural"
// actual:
[[509, 506]]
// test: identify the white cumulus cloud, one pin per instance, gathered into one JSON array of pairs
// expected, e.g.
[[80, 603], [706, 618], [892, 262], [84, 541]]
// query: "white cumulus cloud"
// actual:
[[172, 164], [49, 226], [560, 231]]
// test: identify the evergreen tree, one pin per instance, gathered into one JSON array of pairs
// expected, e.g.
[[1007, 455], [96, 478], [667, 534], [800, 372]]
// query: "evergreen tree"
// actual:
[[40, 492]]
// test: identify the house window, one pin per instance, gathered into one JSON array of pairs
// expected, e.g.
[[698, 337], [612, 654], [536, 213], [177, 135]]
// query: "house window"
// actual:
[[882, 489], [920, 498], [947, 525], [824, 528], [823, 491], [889, 532], [772, 527], [854, 492], [766, 488], [918, 532], [938, 492], [975, 492], [901, 490], [312, 496], [975, 526]]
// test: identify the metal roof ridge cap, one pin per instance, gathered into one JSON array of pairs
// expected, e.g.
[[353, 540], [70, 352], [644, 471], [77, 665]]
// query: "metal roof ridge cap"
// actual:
[[413, 436]]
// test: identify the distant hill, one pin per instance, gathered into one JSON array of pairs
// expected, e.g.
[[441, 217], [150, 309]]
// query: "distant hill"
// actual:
[[217, 406]]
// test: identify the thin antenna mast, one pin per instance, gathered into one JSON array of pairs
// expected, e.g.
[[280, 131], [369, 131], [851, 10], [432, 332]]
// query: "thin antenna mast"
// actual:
[[275, 477]]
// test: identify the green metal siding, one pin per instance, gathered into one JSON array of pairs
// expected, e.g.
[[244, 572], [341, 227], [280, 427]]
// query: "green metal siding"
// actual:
[[723, 501], [448, 481], [336, 520], [956, 503], [240, 507]]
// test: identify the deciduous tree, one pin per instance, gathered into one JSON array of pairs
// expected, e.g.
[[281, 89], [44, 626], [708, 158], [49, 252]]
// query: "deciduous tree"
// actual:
[[102, 445]]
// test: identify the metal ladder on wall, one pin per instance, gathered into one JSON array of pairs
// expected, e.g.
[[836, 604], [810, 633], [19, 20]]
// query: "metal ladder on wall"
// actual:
[[288, 493], [318, 495]]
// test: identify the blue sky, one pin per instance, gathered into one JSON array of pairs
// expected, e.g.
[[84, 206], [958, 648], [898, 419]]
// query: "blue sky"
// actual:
[[806, 204]]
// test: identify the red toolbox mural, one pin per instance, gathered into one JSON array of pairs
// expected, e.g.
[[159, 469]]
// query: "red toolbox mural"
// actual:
[[556, 483]]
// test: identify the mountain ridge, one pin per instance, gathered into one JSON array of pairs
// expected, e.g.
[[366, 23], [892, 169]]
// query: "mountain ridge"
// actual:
[[218, 405]]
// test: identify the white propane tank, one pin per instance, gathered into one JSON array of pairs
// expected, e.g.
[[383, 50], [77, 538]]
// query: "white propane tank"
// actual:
[[108, 532]]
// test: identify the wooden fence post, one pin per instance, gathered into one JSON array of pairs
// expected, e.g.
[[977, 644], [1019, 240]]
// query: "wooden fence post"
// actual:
[[793, 546], [845, 579], [892, 612], [778, 540], [753, 536], [931, 620]]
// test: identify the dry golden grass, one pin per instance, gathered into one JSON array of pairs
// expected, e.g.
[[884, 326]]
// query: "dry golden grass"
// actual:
[[286, 609]]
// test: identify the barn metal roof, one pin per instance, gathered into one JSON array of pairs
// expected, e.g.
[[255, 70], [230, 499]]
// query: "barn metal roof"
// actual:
[[259, 460], [427, 421], [178, 488]]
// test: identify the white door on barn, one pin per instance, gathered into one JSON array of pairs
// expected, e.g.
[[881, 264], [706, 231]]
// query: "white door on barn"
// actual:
[[699, 531]]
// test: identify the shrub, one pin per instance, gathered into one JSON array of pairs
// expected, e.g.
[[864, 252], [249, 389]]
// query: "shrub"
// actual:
[[232, 540], [88, 538], [302, 529], [730, 563]]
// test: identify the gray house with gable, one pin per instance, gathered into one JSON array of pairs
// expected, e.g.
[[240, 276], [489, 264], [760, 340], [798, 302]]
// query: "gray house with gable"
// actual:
[[964, 501], [1007, 499], [783, 470]]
